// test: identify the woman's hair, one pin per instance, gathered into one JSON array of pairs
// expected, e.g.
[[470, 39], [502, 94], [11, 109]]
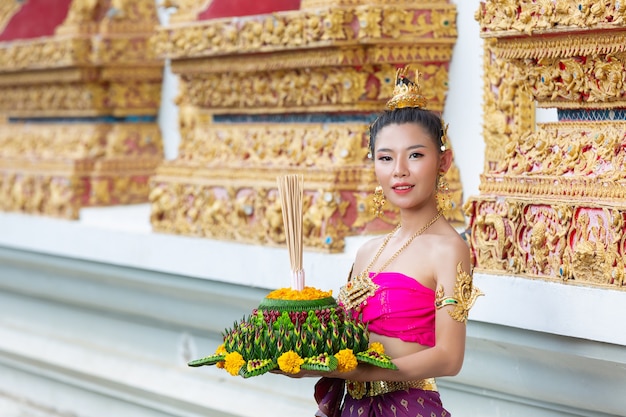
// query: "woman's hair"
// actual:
[[430, 121]]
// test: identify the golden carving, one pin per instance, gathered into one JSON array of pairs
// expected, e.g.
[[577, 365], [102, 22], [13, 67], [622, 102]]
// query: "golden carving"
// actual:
[[279, 145], [53, 53], [320, 89], [584, 44], [7, 11], [54, 99], [510, 17], [311, 4], [56, 169], [339, 58], [238, 211], [298, 29], [508, 107], [577, 243], [551, 203], [594, 81], [185, 10], [99, 63], [123, 50], [80, 12], [591, 150]]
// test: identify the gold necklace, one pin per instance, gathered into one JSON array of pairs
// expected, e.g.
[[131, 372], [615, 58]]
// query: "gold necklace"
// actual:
[[362, 286]]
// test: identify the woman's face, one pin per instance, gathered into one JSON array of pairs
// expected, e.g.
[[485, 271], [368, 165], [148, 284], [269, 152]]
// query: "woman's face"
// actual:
[[406, 162]]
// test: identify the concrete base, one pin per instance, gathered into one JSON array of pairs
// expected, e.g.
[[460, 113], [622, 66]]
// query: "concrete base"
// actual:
[[86, 339]]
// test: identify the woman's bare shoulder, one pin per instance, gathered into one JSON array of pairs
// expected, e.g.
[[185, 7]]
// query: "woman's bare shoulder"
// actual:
[[366, 252], [449, 247]]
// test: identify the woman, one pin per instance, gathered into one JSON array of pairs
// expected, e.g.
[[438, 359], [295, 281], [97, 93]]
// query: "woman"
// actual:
[[412, 287]]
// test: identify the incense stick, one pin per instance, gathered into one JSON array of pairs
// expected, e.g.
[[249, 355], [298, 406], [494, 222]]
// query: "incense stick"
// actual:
[[291, 193]]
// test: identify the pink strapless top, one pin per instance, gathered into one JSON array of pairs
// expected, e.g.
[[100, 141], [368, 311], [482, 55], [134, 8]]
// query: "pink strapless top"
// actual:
[[402, 308]]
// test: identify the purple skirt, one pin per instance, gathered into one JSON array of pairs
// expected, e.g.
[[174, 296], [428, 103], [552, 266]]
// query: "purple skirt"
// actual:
[[413, 402]]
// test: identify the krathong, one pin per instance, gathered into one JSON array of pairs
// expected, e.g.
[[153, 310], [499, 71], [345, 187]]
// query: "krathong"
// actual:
[[299, 328]]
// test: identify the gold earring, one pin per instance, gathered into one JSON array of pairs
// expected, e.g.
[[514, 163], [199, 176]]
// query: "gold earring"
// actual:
[[444, 203], [378, 201]]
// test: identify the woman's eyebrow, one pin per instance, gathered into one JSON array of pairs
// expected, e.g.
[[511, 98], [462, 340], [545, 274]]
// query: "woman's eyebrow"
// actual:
[[408, 149]]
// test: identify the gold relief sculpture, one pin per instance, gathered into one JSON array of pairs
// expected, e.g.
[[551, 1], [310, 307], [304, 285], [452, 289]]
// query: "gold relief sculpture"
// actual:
[[54, 100], [595, 80], [508, 107], [54, 53], [313, 89], [311, 4], [80, 17], [329, 62], [7, 11], [295, 88], [247, 214], [545, 242], [123, 50], [98, 63], [290, 30], [56, 169], [571, 149], [563, 182], [543, 16], [276, 144], [186, 10]]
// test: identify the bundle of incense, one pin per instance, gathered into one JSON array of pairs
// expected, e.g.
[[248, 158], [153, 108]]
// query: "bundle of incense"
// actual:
[[291, 194]]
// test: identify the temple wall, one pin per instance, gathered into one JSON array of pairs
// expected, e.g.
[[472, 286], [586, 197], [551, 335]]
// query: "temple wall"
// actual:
[[99, 315]]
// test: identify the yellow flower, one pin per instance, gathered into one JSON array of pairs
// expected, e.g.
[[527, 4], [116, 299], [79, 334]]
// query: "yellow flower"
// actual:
[[233, 363], [290, 362], [221, 350], [347, 360], [220, 364], [307, 293], [377, 347]]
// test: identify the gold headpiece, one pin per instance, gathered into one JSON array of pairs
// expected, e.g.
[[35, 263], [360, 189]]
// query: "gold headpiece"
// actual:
[[406, 93]]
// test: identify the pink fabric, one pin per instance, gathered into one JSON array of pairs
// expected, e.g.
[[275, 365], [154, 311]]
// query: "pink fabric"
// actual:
[[401, 308]]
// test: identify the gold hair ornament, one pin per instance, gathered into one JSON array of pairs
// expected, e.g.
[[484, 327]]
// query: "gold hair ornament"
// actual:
[[465, 295], [407, 93]]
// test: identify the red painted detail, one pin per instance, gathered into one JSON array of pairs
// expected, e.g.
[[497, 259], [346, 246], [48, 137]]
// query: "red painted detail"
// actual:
[[35, 19], [233, 8]]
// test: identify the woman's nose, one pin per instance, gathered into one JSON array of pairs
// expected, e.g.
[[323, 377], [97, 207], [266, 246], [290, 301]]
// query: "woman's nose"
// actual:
[[400, 169]]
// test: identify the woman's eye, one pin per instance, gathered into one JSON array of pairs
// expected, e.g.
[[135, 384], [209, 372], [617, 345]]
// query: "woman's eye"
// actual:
[[416, 155], [384, 158]]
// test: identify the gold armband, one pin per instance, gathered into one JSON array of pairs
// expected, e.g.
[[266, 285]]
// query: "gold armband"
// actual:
[[465, 295]]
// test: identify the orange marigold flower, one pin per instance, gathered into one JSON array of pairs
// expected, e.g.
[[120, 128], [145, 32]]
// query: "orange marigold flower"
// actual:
[[307, 293], [347, 360], [377, 347], [290, 362], [220, 364], [233, 363]]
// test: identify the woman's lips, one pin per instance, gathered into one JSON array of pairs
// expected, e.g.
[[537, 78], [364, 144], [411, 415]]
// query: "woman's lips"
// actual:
[[402, 188]]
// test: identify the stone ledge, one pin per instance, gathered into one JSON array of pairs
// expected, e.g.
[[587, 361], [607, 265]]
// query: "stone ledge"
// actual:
[[80, 336]]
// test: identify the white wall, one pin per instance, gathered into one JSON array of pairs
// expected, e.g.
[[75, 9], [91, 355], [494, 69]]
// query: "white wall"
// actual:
[[463, 110]]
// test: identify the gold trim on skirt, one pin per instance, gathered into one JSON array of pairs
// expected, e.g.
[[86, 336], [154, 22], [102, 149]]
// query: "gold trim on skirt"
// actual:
[[358, 390]]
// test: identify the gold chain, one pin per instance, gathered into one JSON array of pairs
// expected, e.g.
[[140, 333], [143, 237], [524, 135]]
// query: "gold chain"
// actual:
[[406, 244], [361, 287]]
